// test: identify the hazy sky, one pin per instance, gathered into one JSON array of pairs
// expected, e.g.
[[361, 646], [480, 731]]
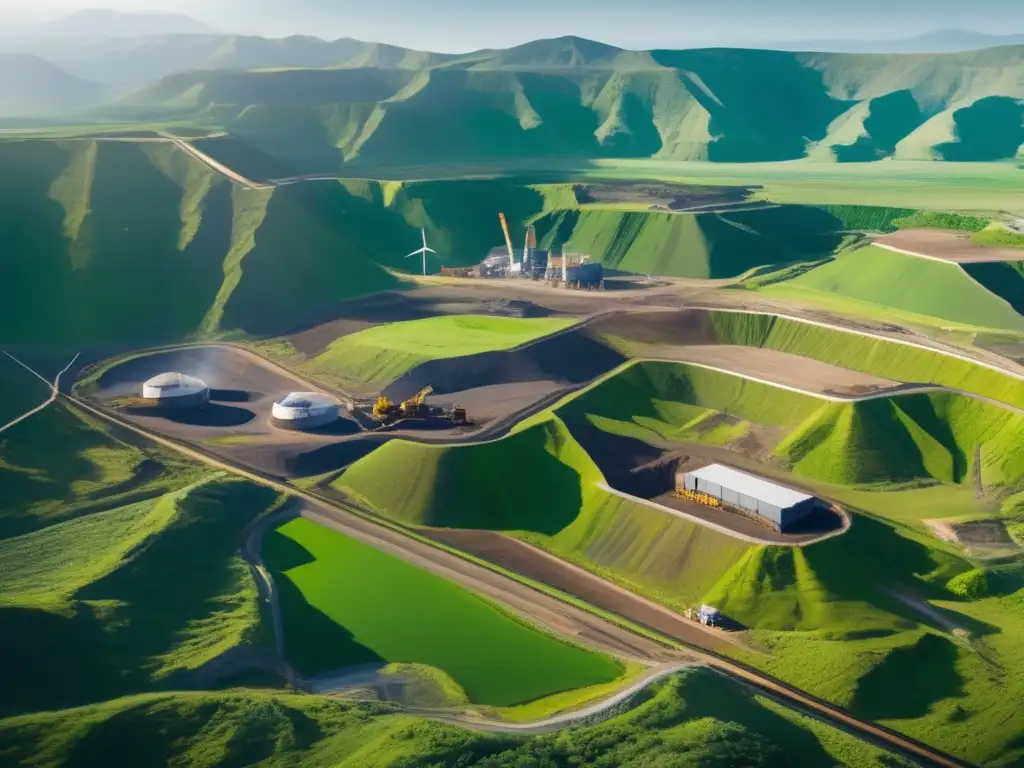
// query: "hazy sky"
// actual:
[[458, 25]]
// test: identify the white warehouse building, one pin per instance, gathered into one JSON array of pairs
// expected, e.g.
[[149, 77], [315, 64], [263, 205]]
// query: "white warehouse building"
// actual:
[[306, 410], [176, 390], [777, 504]]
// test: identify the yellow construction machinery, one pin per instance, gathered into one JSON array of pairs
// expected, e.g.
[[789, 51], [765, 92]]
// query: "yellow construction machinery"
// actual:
[[387, 412], [384, 409], [416, 406]]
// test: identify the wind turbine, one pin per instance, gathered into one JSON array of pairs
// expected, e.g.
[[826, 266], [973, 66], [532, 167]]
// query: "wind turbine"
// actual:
[[424, 250]]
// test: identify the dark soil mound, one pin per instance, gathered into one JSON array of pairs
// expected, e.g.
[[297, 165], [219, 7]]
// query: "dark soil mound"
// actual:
[[570, 358]]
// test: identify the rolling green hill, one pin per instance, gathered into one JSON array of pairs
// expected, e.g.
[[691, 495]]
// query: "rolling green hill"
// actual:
[[1005, 279], [697, 714], [887, 359], [576, 98], [430, 490], [107, 241], [708, 245], [30, 86], [377, 356], [95, 468], [106, 604], [827, 616], [931, 435], [908, 283]]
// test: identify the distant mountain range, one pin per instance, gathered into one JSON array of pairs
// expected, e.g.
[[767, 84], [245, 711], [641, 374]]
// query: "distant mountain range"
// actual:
[[313, 106], [576, 98], [940, 41], [31, 85], [103, 23]]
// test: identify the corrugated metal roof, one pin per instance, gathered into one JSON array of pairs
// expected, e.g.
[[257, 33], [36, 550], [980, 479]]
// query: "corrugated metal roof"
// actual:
[[750, 485]]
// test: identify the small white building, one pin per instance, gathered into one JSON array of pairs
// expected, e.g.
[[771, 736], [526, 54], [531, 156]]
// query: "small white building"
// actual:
[[306, 410], [176, 390]]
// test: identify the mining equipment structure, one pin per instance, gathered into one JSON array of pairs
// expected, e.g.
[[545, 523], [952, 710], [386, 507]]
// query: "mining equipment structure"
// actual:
[[305, 410], [176, 390], [575, 270], [387, 412], [767, 502]]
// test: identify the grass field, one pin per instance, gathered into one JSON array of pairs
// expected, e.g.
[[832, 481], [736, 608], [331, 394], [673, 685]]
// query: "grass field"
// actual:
[[496, 659], [696, 715], [105, 604], [379, 355], [907, 284]]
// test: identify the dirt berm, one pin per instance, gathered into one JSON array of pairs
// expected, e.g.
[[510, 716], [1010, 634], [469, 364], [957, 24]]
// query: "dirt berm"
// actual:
[[568, 358]]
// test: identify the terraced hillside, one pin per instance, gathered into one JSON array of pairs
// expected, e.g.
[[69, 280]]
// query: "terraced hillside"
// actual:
[[100, 586], [132, 241], [842, 602], [897, 282], [575, 98], [878, 356]]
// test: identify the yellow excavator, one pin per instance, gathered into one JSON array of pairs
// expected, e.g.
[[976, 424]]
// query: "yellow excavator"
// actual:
[[414, 408]]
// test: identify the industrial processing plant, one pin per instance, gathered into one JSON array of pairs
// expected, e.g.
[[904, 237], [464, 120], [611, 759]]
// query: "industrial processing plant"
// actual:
[[306, 410], [176, 390]]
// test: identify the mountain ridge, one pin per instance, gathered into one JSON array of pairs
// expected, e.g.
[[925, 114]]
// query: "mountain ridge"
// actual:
[[574, 98]]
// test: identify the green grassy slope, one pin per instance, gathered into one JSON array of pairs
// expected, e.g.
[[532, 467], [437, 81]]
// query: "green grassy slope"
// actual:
[[381, 354], [883, 358], [430, 491], [106, 604], [118, 241], [696, 716], [1004, 279], [60, 464], [906, 437], [824, 616], [573, 98], [493, 657], [695, 245], [908, 283]]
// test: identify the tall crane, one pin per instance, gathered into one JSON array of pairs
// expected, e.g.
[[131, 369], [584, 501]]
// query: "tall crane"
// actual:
[[508, 242]]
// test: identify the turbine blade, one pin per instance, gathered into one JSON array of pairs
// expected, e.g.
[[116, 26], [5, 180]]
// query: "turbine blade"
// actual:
[[430, 250]]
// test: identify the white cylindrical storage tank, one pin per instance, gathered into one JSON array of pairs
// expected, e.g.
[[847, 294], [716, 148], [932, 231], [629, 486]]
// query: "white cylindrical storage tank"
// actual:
[[306, 410], [176, 390]]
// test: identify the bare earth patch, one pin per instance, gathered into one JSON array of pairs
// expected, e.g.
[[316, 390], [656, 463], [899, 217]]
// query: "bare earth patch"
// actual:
[[783, 368], [947, 244]]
